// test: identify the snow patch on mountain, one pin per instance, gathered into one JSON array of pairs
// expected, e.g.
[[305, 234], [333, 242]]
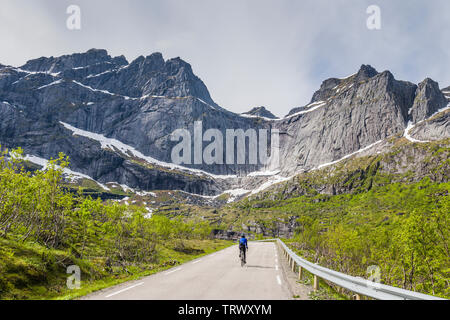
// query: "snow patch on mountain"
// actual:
[[149, 213], [113, 144], [99, 74], [73, 176], [54, 74], [146, 193], [102, 91], [411, 126], [310, 108], [349, 155], [270, 182], [263, 173], [235, 194], [126, 188], [255, 117], [50, 84]]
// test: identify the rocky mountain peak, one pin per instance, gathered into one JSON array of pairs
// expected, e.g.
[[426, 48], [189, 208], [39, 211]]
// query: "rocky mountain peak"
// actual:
[[261, 112], [120, 60], [429, 99], [76, 60], [366, 72], [326, 90], [330, 86], [145, 76], [179, 66], [145, 65], [155, 56]]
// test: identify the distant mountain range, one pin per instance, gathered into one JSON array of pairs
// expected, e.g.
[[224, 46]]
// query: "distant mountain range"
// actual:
[[114, 119]]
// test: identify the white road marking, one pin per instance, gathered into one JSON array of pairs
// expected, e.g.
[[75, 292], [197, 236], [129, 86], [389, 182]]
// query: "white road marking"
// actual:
[[276, 267], [120, 291], [172, 271], [197, 261], [279, 280]]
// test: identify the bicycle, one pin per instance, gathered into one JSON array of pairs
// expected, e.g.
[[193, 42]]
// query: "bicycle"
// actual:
[[242, 255]]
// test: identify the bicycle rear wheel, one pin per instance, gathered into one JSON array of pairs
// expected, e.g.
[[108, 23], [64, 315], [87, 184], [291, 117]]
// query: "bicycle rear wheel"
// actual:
[[242, 255]]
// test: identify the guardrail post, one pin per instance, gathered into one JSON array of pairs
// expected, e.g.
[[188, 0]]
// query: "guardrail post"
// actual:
[[357, 297], [300, 270], [316, 283], [293, 265]]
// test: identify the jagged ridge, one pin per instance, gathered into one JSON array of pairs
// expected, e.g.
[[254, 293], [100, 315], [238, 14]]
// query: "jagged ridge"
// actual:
[[142, 102]]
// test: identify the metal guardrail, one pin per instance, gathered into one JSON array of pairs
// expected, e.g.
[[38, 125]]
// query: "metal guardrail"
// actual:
[[357, 285]]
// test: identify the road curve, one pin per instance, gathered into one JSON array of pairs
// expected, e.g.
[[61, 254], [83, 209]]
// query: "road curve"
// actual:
[[218, 276]]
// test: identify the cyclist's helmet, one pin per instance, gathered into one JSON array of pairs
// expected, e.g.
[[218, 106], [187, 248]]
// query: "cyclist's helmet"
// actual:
[[243, 235]]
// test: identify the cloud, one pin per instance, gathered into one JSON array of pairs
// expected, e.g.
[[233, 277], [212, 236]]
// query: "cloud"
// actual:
[[249, 53]]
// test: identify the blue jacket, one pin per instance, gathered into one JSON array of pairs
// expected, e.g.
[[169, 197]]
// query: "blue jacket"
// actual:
[[243, 242]]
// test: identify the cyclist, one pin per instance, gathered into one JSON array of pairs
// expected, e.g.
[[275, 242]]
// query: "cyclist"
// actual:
[[243, 247]]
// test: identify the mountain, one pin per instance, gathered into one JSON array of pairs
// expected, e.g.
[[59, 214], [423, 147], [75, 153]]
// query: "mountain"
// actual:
[[139, 104], [114, 119], [260, 112], [346, 115]]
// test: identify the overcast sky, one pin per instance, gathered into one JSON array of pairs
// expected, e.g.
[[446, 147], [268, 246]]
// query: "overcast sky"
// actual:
[[249, 53]]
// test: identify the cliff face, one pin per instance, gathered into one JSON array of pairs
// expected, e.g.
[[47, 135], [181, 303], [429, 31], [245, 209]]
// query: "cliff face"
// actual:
[[114, 118], [352, 114], [138, 104], [428, 100], [347, 115]]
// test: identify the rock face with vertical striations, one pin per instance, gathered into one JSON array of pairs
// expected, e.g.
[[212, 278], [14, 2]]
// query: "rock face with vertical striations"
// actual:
[[345, 116], [428, 100], [114, 119]]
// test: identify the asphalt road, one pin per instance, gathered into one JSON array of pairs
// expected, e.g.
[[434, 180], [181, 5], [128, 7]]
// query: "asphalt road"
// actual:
[[218, 276]]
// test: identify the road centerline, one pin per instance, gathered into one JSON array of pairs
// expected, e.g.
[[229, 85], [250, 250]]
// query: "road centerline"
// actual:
[[175, 270], [123, 290]]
